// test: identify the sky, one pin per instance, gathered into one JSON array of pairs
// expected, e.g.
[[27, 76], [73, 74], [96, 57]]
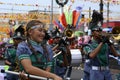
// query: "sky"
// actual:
[[44, 5]]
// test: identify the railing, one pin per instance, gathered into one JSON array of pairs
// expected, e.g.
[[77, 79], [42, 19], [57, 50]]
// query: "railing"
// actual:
[[31, 76]]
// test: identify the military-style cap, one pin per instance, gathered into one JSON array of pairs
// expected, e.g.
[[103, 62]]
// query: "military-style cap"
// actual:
[[18, 35], [19, 32]]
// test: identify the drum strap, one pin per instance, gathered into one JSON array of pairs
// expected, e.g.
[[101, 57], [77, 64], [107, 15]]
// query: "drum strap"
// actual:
[[87, 55], [93, 49]]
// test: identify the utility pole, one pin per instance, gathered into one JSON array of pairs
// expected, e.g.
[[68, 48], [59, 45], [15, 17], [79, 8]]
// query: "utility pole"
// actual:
[[51, 17], [101, 9], [89, 12], [108, 14]]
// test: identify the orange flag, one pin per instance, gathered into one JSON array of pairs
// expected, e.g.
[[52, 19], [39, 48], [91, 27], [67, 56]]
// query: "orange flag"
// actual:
[[63, 20]]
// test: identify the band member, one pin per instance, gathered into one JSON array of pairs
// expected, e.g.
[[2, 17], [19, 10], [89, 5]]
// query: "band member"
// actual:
[[2, 49], [98, 51], [63, 60], [10, 55], [32, 55]]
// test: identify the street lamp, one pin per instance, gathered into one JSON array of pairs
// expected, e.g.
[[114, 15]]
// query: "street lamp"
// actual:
[[61, 3]]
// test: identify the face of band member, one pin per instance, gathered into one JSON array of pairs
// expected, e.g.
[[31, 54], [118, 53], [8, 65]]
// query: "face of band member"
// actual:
[[96, 34], [56, 40], [17, 41], [37, 33]]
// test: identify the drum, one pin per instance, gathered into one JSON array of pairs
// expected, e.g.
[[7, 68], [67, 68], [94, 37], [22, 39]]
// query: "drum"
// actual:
[[76, 57]]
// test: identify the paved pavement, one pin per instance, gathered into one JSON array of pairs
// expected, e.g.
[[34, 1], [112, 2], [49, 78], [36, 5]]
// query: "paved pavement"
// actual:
[[1, 62], [78, 73]]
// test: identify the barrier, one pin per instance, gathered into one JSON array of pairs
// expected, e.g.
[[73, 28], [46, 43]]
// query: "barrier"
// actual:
[[3, 74]]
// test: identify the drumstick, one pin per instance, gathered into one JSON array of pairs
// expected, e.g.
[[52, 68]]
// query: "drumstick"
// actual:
[[57, 54], [31, 76]]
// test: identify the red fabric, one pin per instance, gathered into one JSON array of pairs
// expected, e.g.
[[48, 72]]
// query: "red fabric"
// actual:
[[63, 20]]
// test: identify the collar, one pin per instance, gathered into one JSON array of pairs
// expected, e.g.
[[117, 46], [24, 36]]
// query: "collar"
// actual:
[[34, 43], [36, 46]]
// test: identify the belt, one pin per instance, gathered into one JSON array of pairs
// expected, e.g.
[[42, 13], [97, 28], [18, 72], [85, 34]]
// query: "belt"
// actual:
[[87, 60], [100, 68]]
